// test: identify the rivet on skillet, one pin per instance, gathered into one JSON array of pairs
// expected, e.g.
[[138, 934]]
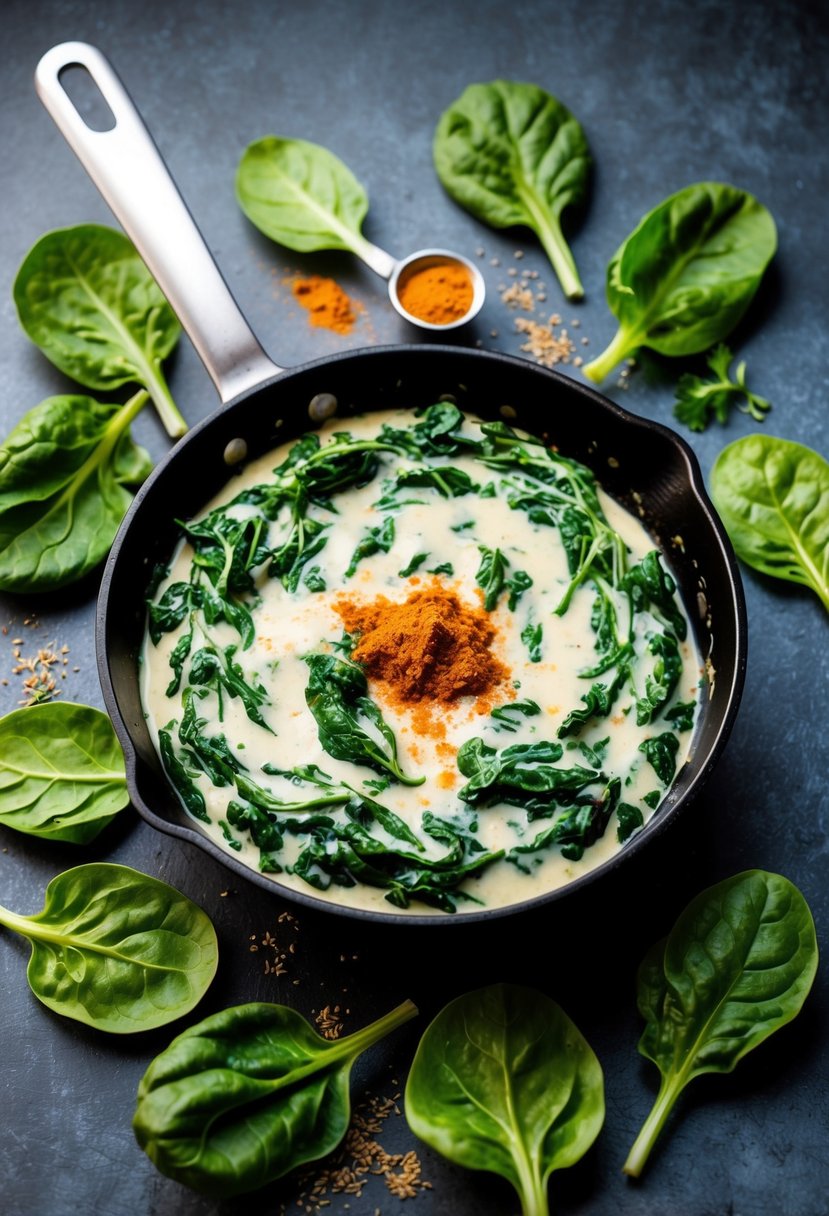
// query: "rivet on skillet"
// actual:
[[508, 411], [235, 451], [323, 406]]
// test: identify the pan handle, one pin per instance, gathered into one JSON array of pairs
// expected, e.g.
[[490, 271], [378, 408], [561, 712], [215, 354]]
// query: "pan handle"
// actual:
[[126, 166]]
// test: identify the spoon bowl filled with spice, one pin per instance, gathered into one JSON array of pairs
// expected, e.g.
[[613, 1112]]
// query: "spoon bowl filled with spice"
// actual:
[[436, 289]]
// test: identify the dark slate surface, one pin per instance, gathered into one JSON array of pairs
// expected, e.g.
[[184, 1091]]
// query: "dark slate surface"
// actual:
[[668, 94]]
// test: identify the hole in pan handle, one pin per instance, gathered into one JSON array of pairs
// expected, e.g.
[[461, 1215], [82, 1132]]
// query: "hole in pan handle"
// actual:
[[126, 166]]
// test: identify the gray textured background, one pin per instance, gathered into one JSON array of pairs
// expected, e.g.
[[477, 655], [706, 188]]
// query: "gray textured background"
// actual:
[[668, 93]]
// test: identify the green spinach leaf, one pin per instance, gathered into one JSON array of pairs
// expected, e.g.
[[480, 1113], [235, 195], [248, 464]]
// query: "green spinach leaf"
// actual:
[[249, 1094], [301, 195], [84, 296], [773, 496], [61, 772], [502, 1080], [687, 273], [699, 400], [337, 696], [64, 472], [512, 154], [117, 949], [737, 965]]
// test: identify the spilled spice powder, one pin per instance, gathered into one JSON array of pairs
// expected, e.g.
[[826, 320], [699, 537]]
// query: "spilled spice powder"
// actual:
[[432, 647], [327, 304]]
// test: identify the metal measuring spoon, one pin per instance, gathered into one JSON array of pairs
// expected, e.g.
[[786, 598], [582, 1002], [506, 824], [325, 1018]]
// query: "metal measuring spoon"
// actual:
[[399, 270]]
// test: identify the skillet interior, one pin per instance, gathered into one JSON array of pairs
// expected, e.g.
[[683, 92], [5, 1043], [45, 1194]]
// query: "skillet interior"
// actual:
[[644, 465]]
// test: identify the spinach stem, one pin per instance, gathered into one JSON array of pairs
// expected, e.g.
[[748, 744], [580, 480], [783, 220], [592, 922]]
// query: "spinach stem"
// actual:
[[649, 1132], [623, 344], [558, 251], [169, 413]]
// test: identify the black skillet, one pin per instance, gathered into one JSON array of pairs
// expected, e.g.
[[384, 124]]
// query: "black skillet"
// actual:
[[642, 464]]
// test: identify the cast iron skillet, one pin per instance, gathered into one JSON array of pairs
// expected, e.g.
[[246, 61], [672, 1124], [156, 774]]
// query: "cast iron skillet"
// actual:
[[644, 465]]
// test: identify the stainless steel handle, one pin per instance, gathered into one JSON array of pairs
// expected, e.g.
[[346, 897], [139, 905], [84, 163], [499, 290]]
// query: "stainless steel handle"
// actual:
[[127, 168]]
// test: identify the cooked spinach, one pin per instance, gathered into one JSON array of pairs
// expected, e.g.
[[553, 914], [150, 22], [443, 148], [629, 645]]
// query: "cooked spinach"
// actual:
[[84, 296], [525, 774], [512, 154], [247, 1095], [64, 473], [507, 716], [773, 496], [686, 274], [660, 752], [301, 195], [377, 539], [324, 830], [61, 772], [337, 696], [737, 965], [699, 400], [502, 1080], [116, 949]]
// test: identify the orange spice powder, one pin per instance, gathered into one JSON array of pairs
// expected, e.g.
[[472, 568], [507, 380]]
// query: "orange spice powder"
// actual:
[[426, 652], [440, 293], [328, 305]]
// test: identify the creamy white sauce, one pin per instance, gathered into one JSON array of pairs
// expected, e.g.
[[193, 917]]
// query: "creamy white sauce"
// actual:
[[291, 625]]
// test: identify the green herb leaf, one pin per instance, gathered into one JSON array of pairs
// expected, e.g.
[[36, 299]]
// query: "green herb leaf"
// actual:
[[84, 296], [117, 949], [337, 697], [503, 1081], [687, 273], [512, 154], [64, 470], [773, 496], [737, 965], [698, 400], [249, 1094], [301, 195], [61, 772]]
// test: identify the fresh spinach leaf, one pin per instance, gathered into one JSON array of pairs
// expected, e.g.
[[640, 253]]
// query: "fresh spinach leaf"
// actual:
[[117, 949], [64, 473], [502, 1080], [512, 154], [699, 400], [247, 1095], [773, 496], [336, 695], [302, 196], [61, 772], [684, 277], [84, 296], [737, 965]]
